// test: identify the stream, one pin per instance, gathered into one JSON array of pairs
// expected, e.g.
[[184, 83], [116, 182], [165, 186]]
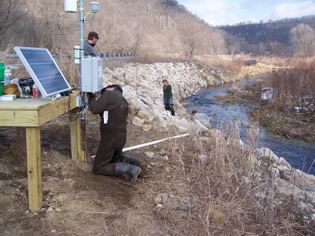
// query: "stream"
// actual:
[[298, 153]]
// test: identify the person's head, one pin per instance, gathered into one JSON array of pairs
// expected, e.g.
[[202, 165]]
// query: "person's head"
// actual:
[[164, 82], [193, 112], [93, 37]]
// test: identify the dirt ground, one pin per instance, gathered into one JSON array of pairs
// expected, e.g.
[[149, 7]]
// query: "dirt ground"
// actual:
[[76, 202]]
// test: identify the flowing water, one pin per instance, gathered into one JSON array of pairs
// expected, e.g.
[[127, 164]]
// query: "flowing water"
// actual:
[[298, 153]]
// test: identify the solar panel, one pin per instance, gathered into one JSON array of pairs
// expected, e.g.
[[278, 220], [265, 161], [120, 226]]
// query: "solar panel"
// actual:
[[43, 70]]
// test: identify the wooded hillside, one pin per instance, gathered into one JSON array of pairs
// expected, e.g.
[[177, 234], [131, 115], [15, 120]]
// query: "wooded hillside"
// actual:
[[259, 38], [147, 27]]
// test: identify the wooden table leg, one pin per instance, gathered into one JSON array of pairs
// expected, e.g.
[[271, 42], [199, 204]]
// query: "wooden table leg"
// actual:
[[34, 168], [77, 152]]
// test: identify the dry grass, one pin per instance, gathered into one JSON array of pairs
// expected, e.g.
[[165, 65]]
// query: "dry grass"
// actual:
[[219, 196], [233, 64], [294, 87], [215, 196]]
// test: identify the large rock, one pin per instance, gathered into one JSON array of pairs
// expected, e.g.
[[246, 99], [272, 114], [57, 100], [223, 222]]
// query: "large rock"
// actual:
[[137, 121], [199, 127], [267, 154], [145, 115], [147, 127], [287, 190], [202, 117]]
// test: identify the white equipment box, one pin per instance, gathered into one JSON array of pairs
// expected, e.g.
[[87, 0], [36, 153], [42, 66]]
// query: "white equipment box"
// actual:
[[92, 74]]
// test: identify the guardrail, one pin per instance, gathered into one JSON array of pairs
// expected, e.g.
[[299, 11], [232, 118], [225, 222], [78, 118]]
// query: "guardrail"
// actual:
[[105, 56], [117, 56]]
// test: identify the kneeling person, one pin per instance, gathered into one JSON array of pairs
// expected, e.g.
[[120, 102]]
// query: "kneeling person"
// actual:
[[113, 109]]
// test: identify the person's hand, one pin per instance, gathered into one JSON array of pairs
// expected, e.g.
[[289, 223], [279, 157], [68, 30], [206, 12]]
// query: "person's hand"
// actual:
[[90, 95]]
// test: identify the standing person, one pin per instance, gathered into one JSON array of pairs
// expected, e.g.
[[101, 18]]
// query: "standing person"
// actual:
[[90, 43], [168, 97], [113, 109]]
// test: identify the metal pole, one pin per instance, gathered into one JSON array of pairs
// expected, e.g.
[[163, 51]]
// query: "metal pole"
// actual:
[[81, 49]]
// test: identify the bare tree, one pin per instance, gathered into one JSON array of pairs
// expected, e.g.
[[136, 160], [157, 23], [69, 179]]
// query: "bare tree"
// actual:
[[190, 33], [232, 44], [303, 40], [148, 27], [10, 14]]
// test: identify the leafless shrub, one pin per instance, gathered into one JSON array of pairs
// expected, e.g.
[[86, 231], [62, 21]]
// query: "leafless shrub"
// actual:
[[303, 40], [294, 87]]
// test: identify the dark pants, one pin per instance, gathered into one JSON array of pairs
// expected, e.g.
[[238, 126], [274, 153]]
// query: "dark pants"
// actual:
[[108, 152]]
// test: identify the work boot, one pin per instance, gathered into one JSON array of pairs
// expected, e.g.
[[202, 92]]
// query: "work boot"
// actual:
[[107, 170], [134, 161], [124, 168], [172, 110]]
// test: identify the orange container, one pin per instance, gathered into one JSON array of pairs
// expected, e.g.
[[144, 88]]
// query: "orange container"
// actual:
[[11, 89]]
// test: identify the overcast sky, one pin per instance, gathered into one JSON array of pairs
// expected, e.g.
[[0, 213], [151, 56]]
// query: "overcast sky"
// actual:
[[223, 12]]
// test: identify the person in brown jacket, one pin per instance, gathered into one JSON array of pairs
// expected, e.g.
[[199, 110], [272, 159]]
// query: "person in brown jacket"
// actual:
[[113, 109]]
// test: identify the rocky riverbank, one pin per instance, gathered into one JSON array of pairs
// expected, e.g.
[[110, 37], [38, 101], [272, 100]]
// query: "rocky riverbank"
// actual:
[[142, 88]]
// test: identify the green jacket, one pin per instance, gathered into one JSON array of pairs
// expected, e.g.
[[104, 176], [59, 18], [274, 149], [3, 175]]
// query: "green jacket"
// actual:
[[167, 92]]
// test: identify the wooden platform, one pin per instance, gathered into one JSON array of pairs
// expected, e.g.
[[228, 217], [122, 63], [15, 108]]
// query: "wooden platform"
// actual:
[[31, 114]]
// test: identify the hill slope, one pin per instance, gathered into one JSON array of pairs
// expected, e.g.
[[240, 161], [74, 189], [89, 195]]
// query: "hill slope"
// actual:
[[266, 33], [148, 27]]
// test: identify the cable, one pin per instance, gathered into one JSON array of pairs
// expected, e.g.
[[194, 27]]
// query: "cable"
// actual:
[[83, 111]]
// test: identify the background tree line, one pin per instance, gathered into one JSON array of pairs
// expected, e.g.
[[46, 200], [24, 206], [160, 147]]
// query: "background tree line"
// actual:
[[283, 37], [149, 28]]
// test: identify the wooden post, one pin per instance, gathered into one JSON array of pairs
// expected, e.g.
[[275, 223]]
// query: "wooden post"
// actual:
[[77, 152], [34, 168]]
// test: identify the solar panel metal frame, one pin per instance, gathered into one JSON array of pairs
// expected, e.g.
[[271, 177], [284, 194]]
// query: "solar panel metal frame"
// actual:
[[33, 74]]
